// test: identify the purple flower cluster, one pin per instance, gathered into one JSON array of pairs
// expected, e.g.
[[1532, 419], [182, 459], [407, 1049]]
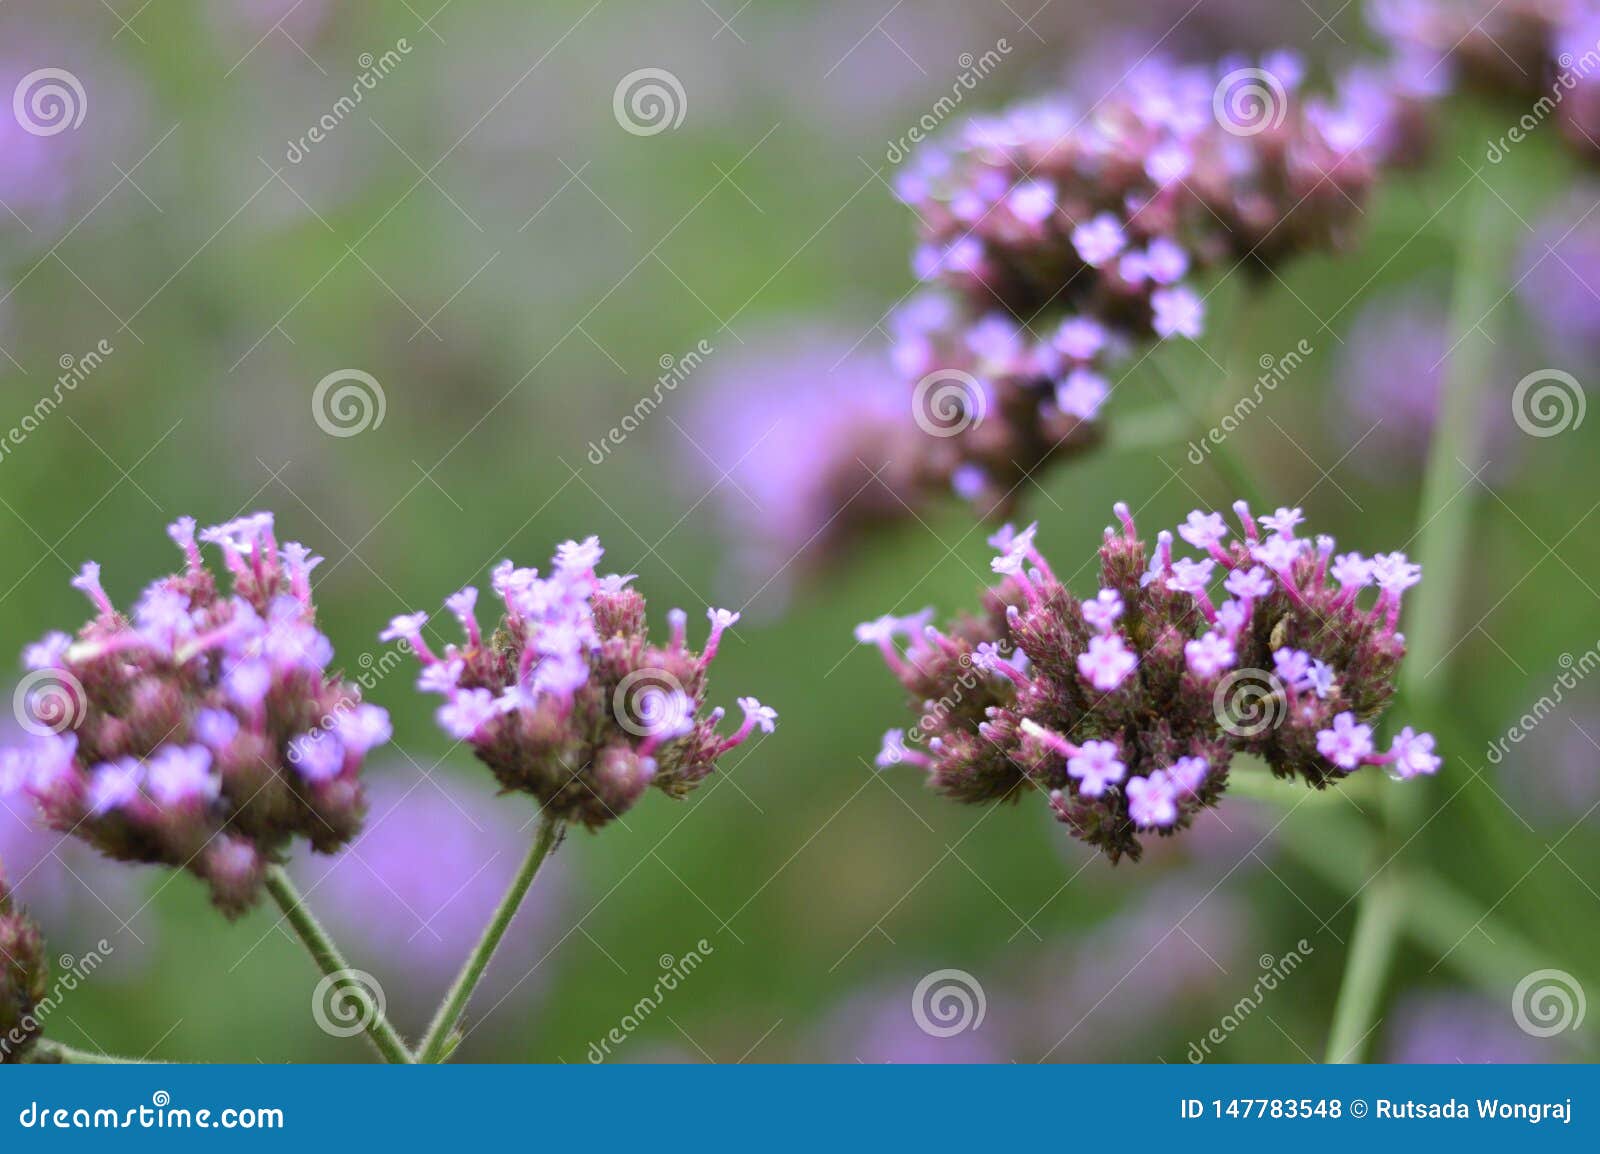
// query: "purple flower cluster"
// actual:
[[1127, 708], [568, 700], [24, 972], [203, 732], [1531, 50], [1058, 240]]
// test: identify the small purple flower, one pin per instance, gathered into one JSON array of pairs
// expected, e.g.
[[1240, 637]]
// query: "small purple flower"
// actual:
[[1080, 338], [1178, 312], [1347, 744], [1203, 530], [1099, 240], [1103, 611], [1095, 767], [1032, 202], [179, 775], [1106, 663], [1209, 656], [1082, 394], [1151, 801], [1412, 755], [467, 711]]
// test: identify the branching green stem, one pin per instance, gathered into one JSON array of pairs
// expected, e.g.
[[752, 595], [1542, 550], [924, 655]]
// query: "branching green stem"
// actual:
[[440, 1038], [383, 1036]]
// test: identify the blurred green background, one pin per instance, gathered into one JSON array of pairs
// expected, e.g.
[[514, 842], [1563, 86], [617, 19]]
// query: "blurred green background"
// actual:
[[483, 238]]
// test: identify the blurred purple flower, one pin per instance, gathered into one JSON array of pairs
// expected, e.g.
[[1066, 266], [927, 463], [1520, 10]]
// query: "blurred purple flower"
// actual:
[[1457, 1026], [1389, 376], [1558, 281], [812, 428], [66, 113], [1119, 988], [1555, 773], [881, 1024], [420, 883]]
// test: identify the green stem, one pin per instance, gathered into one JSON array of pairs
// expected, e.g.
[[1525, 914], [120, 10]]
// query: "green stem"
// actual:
[[46, 1050], [383, 1036], [1366, 967], [1442, 551], [439, 1040]]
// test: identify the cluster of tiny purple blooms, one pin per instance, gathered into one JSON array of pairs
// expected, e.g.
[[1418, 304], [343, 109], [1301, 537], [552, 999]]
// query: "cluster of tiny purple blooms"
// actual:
[[1126, 709], [202, 731], [568, 700], [1059, 240]]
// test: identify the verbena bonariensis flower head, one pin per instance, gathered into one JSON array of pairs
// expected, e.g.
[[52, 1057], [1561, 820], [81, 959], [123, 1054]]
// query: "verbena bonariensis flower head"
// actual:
[[569, 700], [1539, 51], [1061, 239], [24, 971], [1127, 708], [204, 731]]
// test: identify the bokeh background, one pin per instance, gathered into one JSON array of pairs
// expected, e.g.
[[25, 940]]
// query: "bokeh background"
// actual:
[[511, 266]]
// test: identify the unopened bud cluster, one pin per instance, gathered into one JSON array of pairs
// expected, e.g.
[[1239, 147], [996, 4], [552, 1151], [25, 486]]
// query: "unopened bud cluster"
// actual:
[[568, 700], [1127, 708], [24, 972]]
